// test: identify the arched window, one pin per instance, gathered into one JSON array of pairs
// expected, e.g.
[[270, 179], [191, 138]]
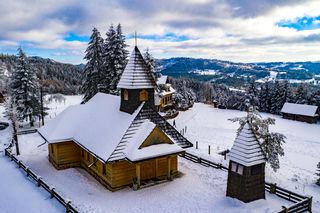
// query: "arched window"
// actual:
[[125, 95], [143, 95]]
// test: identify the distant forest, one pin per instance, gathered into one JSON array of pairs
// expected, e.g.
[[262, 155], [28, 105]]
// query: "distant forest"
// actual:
[[55, 77]]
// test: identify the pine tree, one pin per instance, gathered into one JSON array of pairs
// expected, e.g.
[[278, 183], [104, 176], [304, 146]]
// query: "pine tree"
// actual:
[[252, 93], [151, 64], [302, 94], [115, 57], [25, 90], [265, 98], [271, 142], [318, 174], [93, 68], [279, 96]]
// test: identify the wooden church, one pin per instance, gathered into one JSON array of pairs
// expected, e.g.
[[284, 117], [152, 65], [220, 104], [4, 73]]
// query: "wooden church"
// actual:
[[246, 174], [121, 141]]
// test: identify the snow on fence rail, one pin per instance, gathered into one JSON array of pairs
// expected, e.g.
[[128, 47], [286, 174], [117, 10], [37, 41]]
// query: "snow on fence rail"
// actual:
[[40, 182], [302, 203]]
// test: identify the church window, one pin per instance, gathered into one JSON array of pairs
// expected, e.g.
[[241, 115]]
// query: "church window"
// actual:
[[143, 95]]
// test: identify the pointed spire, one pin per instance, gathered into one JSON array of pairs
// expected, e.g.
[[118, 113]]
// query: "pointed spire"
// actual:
[[246, 149], [135, 39], [136, 75]]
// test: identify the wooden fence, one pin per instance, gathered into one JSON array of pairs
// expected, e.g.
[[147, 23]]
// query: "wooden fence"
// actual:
[[301, 203], [41, 183]]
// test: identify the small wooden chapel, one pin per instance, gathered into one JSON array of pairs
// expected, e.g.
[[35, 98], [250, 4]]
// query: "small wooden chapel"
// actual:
[[121, 141]]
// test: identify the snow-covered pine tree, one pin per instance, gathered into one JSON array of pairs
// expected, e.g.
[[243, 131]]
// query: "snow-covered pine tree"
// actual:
[[93, 68], [279, 96], [24, 89], [151, 63], [123, 52], [271, 142], [318, 174], [252, 92], [302, 94], [115, 59], [265, 98]]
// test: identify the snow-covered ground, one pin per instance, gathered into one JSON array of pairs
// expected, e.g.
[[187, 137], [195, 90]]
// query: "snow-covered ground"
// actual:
[[200, 189], [17, 192], [210, 126]]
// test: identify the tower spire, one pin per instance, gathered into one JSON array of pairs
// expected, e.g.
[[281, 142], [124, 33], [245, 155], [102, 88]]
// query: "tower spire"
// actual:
[[135, 38]]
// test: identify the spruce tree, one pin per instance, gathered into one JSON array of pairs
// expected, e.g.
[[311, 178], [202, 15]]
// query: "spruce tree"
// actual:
[[302, 94], [252, 93], [115, 59], [93, 68], [150, 61], [24, 89], [265, 98], [271, 142]]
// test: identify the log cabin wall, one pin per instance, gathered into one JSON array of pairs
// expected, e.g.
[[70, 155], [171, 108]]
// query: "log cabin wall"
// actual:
[[113, 175]]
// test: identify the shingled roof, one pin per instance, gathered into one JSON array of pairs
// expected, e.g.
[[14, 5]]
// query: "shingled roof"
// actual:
[[136, 75], [246, 149], [299, 109], [110, 134]]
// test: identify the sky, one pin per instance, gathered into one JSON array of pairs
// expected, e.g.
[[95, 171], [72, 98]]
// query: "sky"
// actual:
[[233, 30]]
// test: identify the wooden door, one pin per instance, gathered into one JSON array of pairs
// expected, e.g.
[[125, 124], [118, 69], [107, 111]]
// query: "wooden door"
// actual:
[[148, 170]]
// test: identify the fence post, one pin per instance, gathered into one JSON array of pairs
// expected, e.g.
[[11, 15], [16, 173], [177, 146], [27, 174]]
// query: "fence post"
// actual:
[[52, 192], [68, 204], [196, 144], [39, 181], [28, 172], [285, 210], [209, 150], [310, 205], [273, 188]]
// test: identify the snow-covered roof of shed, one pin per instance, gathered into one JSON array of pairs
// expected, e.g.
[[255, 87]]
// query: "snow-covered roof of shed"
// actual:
[[246, 149], [98, 125], [162, 79], [299, 109], [136, 75]]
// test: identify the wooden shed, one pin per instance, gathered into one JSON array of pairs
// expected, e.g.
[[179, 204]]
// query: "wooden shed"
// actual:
[[300, 112], [121, 141], [246, 174]]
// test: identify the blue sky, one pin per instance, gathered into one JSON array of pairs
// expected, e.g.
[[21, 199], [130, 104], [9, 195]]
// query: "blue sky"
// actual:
[[235, 30]]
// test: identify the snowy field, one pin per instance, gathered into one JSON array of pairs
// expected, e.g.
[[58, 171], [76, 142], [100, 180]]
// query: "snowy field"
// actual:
[[18, 193], [210, 126], [200, 189]]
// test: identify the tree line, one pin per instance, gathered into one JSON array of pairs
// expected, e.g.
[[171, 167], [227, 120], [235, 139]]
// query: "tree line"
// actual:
[[266, 97]]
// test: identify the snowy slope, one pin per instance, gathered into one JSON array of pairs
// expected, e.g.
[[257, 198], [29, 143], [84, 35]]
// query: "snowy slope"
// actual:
[[210, 126], [17, 192]]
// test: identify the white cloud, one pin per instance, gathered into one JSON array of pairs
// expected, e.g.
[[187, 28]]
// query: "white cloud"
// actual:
[[231, 30]]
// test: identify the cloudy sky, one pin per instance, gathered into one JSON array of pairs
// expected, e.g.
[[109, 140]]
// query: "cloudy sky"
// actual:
[[234, 30]]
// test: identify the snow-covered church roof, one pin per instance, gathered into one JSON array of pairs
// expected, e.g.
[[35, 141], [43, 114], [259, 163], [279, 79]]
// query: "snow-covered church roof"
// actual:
[[110, 134], [136, 75], [246, 149], [299, 109]]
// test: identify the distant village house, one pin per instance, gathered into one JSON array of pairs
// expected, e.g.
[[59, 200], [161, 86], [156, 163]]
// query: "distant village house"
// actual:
[[163, 97], [300, 112]]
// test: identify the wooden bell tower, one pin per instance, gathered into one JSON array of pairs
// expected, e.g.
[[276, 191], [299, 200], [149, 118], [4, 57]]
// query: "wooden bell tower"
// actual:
[[136, 83], [246, 174]]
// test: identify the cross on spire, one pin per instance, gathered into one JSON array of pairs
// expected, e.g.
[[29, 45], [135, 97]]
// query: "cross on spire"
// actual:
[[135, 38]]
